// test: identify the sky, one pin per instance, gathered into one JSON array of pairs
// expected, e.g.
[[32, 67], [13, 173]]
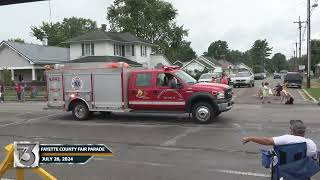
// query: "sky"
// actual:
[[239, 22]]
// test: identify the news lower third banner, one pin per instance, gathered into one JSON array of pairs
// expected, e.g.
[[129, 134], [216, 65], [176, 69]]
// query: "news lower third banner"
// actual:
[[31, 154]]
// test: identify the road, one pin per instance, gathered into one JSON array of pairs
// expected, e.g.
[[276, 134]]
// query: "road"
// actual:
[[162, 146]]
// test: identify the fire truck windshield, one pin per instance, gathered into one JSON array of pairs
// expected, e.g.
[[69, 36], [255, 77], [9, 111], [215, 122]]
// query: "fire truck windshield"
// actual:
[[185, 77]]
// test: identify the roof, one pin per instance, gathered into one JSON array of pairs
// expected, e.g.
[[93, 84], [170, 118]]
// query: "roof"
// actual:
[[39, 54], [99, 35], [225, 64], [7, 2], [105, 59], [205, 63], [214, 61]]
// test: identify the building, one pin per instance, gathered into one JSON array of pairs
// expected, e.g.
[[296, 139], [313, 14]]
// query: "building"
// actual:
[[125, 45], [227, 66], [243, 67], [200, 64], [26, 61]]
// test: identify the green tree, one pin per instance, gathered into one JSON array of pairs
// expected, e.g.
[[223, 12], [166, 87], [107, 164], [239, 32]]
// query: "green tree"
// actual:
[[278, 62], [218, 49], [235, 56], [259, 52], [152, 20], [6, 77], [16, 40], [183, 53], [59, 32]]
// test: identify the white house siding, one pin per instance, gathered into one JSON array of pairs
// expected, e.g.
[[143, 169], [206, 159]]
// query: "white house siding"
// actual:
[[193, 66], [145, 60], [157, 59], [75, 50], [9, 58]]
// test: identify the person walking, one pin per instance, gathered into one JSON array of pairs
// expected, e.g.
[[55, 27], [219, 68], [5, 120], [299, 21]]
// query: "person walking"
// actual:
[[18, 91]]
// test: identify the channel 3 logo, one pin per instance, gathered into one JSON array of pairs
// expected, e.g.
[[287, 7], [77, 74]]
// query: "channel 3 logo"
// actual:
[[26, 154]]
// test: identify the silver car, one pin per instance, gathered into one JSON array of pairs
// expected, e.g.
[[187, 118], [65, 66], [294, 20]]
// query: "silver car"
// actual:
[[243, 79]]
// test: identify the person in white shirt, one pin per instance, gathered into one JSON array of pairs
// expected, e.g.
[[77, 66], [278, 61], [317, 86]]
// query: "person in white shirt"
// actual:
[[297, 129]]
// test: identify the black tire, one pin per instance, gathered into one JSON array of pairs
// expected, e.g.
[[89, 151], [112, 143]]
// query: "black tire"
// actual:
[[253, 84], [217, 114], [203, 113], [234, 86], [80, 111]]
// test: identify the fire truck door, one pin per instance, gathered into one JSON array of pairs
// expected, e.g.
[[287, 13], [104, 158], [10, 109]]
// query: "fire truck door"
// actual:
[[140, 91]]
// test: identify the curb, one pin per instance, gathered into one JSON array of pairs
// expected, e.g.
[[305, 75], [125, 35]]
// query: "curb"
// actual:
[[309, 96]]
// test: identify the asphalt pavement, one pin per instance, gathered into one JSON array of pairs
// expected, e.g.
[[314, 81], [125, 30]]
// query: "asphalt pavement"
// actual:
[[156, 146]]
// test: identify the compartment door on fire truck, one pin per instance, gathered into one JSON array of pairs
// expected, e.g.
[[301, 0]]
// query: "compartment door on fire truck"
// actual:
[[140, 91], [166, 97], [55, 90]]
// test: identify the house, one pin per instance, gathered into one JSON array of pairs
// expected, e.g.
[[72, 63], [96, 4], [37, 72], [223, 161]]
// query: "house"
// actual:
[[115, 44], [243, 67], [26, 61], [179, 63], [200, 64], [227, 66]]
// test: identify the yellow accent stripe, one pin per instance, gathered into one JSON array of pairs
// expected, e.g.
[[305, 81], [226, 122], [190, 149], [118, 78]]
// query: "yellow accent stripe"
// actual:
[[76, 154]]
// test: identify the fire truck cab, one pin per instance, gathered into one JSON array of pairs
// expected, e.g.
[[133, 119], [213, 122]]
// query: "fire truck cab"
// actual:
[[115, 87]]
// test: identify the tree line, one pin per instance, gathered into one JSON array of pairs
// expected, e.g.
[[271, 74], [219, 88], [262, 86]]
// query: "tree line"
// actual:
[[155, 21]]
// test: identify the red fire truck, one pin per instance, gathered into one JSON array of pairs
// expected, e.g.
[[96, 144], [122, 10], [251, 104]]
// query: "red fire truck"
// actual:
[[114, 87]]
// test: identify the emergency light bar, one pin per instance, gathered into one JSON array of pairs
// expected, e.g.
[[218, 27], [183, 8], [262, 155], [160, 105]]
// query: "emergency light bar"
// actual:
[[169, 68]]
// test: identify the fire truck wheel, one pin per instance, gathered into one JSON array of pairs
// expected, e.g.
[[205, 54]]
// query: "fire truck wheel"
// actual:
[[203, 113], [80, 111]]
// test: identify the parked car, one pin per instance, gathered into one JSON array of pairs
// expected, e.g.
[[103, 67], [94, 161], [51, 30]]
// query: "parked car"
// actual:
[[243, 79], [294, 79], [276, 76], [258, 76], [283, 72], [207, 77]]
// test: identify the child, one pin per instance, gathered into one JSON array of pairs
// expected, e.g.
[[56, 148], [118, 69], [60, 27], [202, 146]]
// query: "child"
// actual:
[[266, 92], [260, 92]]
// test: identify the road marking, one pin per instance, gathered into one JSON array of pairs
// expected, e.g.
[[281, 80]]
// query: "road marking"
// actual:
[[136, 162], [173, 141], [28, 120], [21, 114], [301, 94], [241, 173]]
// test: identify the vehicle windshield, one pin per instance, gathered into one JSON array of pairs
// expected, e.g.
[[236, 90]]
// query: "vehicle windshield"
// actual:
[[185, 77], [242, 75], [293, 76]]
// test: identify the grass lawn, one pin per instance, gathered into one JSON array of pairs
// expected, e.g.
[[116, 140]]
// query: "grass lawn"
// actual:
[[10, 95], [314, 92]]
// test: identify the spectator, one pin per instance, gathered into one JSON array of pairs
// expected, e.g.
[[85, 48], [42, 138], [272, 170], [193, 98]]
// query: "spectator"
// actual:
[[297, 133], [224, 79], [213, 80], [23, 92], [18, 91]]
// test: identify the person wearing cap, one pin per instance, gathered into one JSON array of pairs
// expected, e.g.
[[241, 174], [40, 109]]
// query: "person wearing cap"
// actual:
[[297, 132]]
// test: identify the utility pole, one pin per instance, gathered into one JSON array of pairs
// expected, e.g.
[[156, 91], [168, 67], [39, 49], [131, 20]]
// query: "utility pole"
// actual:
[[300, 37], [309, 43]]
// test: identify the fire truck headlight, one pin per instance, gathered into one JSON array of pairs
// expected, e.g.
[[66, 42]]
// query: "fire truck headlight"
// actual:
[[220, 95]]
